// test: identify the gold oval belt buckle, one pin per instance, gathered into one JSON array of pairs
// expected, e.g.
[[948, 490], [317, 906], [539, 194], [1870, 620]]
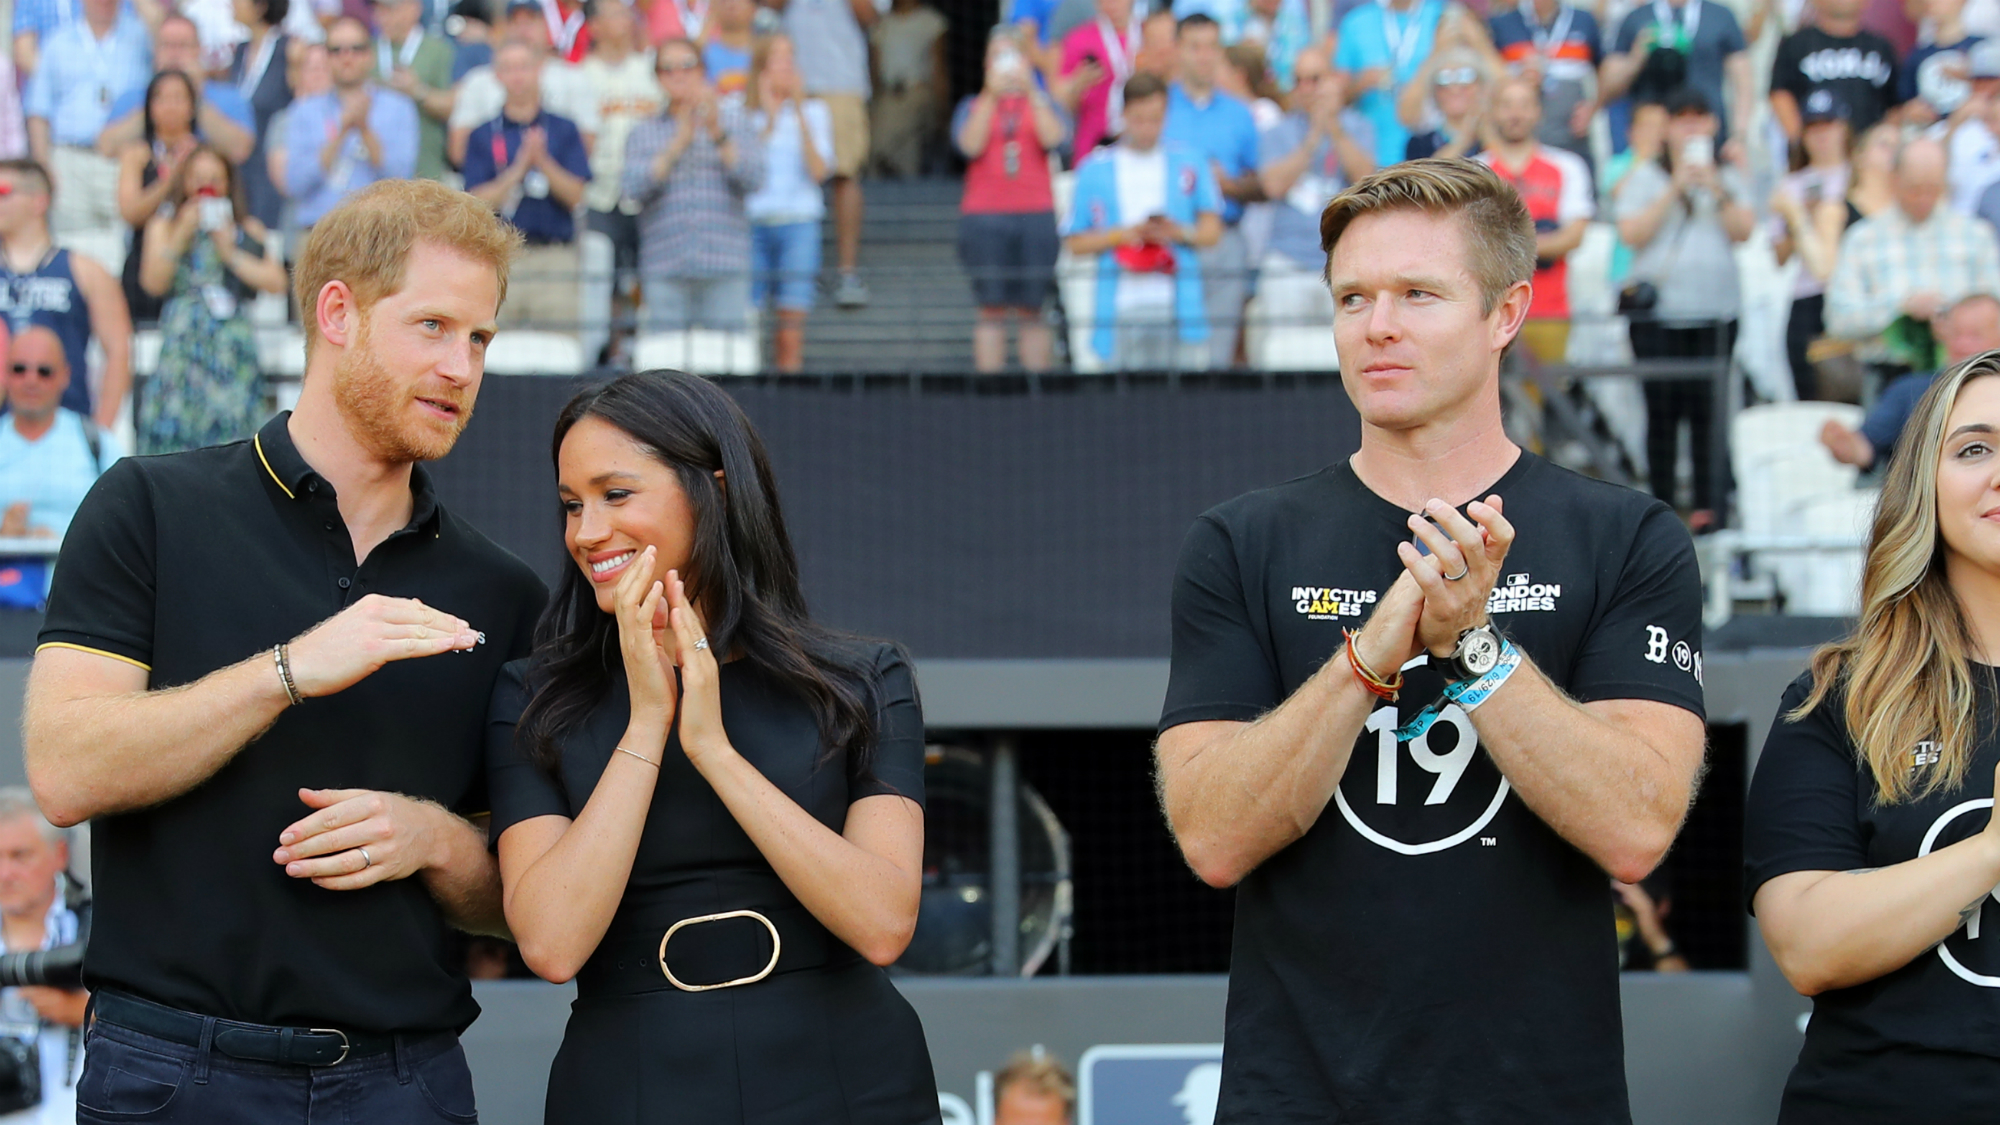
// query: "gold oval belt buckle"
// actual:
[[777, 944]]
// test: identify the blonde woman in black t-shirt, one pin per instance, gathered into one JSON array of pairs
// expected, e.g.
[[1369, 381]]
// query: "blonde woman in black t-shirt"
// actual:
[[1871, 849]]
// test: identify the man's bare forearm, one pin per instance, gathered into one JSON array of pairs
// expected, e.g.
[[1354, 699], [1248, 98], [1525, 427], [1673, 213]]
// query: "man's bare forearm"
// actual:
[[465, 880], [1617, 796], [90, 754], [1234, 798]]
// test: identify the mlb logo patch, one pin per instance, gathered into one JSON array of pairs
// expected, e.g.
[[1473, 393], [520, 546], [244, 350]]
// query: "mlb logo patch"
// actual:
[[1149, 1084]]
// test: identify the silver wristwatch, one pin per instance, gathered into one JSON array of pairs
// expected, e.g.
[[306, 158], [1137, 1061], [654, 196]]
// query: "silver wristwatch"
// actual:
[[1477, 652]]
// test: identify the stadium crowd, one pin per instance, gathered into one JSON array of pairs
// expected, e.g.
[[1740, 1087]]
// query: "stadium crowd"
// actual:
[[163, 158]]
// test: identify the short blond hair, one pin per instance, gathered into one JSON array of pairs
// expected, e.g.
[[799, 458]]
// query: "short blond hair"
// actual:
[[1499, 235], [366, 242], [1040, 1072]]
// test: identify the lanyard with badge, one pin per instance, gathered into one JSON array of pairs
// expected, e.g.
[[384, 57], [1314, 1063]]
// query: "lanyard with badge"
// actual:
[[257, 63], [1683, 32], [405, 56], [1401, 35], [534, 185], [1547, 40], [1119, 54]]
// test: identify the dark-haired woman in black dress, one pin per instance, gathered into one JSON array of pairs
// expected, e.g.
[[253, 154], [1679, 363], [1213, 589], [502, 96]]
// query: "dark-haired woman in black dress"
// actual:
[[722, 852]]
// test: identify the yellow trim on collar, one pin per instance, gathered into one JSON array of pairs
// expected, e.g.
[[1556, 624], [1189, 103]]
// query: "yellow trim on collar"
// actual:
[[258, 441], [94, 652]]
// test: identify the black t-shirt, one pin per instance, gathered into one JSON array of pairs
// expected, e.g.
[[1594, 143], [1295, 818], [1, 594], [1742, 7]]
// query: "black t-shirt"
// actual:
[[693, 854], [190, 562], [1430, 950], [1859, 69], [1921, 1043]]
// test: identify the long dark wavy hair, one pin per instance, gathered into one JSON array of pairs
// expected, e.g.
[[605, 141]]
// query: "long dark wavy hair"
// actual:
[[194, 102], [742, 573]]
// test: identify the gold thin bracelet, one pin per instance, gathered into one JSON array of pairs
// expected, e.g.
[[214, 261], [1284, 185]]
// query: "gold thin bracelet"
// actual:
[[638, 755]]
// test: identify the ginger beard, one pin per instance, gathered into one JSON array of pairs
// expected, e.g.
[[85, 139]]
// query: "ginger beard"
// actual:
[[378, 407]]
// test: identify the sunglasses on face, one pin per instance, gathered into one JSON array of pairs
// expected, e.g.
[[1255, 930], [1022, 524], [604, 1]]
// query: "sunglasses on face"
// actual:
[[44, 370], [346, 48], [1457, 76], [677, 67]]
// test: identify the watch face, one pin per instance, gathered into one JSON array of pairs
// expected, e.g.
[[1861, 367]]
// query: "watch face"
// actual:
[[1480, 652]]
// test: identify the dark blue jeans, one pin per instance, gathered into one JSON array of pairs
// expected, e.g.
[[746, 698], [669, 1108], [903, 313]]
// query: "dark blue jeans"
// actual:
[[130, 1077]]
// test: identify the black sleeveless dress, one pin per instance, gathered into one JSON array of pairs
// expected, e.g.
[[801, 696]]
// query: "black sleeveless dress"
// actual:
[[825, 1038]]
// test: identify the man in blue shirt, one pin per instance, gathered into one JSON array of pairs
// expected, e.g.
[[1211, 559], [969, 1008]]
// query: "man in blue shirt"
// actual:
[[49, 455], [531, 167], [83, 66], [36, 20], [1969, 328], [1382, 46], [351, 136], [226, 119], [1220, 128]]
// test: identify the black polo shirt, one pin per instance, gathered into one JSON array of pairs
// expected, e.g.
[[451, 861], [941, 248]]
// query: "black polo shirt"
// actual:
[[187, 563]]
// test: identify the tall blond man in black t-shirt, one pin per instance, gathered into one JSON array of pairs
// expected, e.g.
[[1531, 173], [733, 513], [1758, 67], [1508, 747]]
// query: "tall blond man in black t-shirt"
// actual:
[[1420, 734], [264, 677]]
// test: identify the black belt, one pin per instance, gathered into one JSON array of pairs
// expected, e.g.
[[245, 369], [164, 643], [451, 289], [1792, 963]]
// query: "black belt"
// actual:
[[251, 1042], [726, 948]]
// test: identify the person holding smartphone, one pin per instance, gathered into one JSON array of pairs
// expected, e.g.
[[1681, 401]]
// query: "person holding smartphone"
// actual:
[[1682, 216], [208, 257]]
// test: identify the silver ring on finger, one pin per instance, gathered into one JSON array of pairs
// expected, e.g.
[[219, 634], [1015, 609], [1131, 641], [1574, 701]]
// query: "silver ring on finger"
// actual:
[[1462, 572], [701, 645], [367, 861]]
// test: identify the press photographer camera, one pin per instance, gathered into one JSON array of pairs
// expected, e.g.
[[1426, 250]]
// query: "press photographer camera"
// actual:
[[45, 917]]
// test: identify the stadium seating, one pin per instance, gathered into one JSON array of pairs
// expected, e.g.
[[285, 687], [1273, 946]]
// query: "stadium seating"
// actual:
[[1802, 521]]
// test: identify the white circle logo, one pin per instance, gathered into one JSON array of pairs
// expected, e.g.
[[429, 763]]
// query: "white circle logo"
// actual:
[[1683, 656], [1437, 800], [1971, 927]]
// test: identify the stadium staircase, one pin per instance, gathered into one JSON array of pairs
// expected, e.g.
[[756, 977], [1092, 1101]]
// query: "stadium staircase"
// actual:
[[920, 312]]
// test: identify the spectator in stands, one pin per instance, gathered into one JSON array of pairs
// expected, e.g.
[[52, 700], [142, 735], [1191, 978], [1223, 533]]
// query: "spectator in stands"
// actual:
[[1809, 213], [41, 907], [1973, 140], [1456, 83], [310, 75], [49, 454], [356, 134], [1007, 238], [208, 257], [912, 88], [1933, 80], [1159, 46], [1969, 328], [472, 42], [1836, 54], [1644, 945], [831, 36], [147, 170], [1871, 189], [1033, 1089], [224, 117], [620, 73], [565, 91], [83, 65], [1246, 76], [13, 125], [36, 21], [691, 168], [1382, 48], [1307, 158], [1646, 140], [260, 72], [1683, 217], [1557, 46], [530, 166], [1898, 269], [727, 38], [1203, 119], [1663, 46], [1145, 207], [1283, 28], [63, 290], [796, 133], [1098, 58], [417, 65], [1555, 185]]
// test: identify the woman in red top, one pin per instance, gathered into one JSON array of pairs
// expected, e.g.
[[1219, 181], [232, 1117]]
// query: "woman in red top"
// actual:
[[1007, 237]]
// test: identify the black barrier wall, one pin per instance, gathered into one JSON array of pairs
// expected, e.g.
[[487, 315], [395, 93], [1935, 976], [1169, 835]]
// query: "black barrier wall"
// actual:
[[964, 525]]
